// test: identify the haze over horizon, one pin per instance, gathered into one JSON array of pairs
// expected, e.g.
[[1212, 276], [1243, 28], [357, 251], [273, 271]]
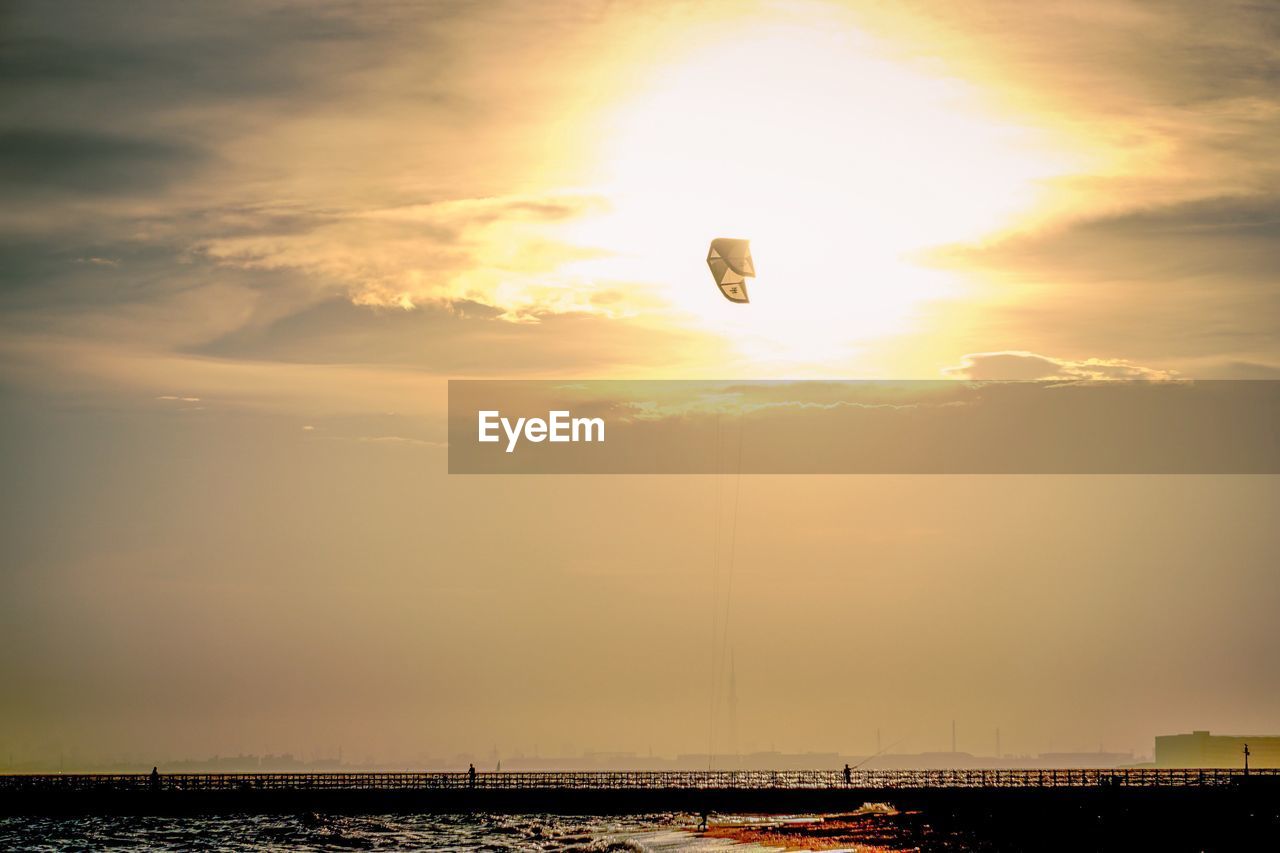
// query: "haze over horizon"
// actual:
[[246, 246]]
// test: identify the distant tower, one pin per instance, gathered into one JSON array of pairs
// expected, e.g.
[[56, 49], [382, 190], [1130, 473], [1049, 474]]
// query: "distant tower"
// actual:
[[733, 712]]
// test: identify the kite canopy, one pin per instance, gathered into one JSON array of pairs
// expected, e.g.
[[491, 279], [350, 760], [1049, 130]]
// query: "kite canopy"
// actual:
[[730, 262]]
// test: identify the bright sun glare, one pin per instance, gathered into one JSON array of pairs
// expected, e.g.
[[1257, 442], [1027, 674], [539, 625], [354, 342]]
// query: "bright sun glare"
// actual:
[[838, 164]]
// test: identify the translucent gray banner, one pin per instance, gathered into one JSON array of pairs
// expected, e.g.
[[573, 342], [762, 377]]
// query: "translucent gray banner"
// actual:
[[864, 427]]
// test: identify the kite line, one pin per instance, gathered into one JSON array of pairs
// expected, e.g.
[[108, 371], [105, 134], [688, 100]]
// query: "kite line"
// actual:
[[720, 631]]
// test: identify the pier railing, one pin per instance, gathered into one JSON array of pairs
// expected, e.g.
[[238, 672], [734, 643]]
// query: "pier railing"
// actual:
[[635, 780]]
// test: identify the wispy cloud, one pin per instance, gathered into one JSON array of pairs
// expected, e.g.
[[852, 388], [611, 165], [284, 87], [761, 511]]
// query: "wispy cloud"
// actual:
[[1015, 364], [488, 251]]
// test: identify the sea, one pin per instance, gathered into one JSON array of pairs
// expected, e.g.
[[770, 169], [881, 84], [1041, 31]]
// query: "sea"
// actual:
[[662, 832]]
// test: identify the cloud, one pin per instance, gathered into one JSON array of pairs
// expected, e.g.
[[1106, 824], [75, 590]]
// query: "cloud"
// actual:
[[1019, 364], [1240, 370], [460, 339], [88, 162], [1232, 237], [1166, 237], [199, 73], [739, 403], [496, 252], [389, 177], [1171, 89], [1181, 283]]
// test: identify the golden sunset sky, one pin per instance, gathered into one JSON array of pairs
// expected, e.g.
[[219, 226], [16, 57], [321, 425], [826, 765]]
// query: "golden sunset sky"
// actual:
[[246, 245]]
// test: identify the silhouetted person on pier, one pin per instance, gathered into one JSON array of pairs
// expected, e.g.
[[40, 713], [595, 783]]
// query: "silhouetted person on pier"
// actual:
[[702, 824], [848, 775], [154, 778], [471, 776]]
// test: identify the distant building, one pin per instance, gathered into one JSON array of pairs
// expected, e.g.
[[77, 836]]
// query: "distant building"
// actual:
[[1201, 749]]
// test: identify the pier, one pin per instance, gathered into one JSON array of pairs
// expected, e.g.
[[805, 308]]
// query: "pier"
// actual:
[[600, 792], [1045, 809], [887, 780]]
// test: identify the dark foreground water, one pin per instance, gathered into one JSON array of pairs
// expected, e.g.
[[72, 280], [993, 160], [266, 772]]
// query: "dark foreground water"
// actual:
[[390, 832]]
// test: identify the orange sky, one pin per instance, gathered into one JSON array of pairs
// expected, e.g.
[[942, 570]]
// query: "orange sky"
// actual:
[[246, 246]]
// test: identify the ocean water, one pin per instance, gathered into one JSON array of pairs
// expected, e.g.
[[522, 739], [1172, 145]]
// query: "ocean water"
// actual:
[[387, 832]]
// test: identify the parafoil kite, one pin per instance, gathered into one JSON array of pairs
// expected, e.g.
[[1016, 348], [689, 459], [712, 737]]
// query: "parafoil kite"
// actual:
[[730, 262]]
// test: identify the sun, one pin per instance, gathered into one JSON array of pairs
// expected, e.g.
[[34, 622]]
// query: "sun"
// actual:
[[842, 166]]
